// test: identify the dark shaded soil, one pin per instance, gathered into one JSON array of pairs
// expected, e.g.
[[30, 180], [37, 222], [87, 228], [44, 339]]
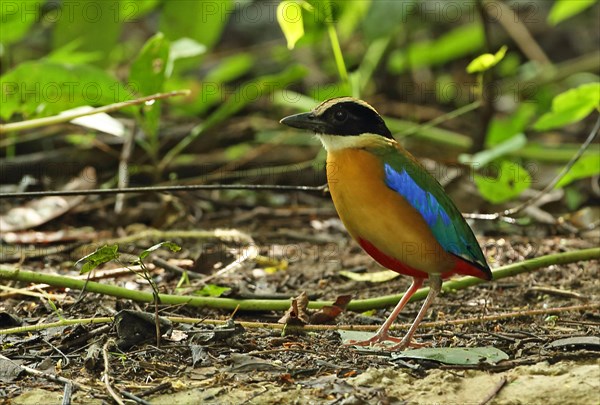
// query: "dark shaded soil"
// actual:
[[243, 364]]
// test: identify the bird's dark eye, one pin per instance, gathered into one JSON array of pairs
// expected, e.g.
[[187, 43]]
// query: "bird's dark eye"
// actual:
[[340, 116]]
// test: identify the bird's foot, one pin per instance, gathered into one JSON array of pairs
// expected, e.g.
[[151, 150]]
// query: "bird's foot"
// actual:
[[379, 339]]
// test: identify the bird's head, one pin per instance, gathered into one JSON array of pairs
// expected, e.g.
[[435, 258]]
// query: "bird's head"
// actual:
[[343, 122]]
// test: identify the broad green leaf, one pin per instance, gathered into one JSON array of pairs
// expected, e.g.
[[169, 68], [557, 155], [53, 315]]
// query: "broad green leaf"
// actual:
[[446, 355], [213, 89], [41, 88], [511, 180], [169, 245], [484, 157], [17, 17], [202, 21], [134, 10], [571, 106], [455, 355], [289, 17], [183, 48], [247, 93], [253, 90], [148, 69], [69, 54], [563, 9], [374, 277], [97, 24], [351, 14], [461, 41], [212, 290], [148, 77], [102, 255], [231, 68], [383, 18], [501, 129], [586, 166], [486, 61]]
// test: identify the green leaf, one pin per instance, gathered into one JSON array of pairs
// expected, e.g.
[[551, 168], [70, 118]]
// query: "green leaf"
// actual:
[[455, 355], [231, 68], [486, 61], [571, 106], [511, 180], [183, 48], [461, 41], [502, 129], [289, 17], [212, 290], [102, 255], [563, 9], [148, 75], [97, 24], [247, 93], [447, 355], [69, 54], [41, 88], [202, 21], [586, 166], [17, 18], [174, 247], [374, 277], [148, 69], [134, 10], [382, 17], [254, 89], [482, 158]]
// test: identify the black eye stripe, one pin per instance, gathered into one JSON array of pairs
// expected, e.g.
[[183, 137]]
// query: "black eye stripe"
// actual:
[[350, 118]]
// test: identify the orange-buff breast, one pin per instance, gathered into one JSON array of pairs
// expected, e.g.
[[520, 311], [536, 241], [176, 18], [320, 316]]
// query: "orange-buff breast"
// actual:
[[382, 221]]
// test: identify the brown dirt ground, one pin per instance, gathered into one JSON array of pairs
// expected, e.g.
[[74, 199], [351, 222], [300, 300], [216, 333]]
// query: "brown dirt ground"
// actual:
[[262, 366]]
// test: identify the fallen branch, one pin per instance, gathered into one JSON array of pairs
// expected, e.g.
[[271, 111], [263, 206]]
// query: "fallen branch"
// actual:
[[310, 328], [279, 305], [58, 119]]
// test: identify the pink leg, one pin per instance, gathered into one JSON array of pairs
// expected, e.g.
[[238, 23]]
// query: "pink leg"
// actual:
[[382, 333], [435, 285]]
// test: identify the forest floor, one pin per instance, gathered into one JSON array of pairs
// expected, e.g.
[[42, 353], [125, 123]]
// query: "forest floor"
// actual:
[[200, 363]]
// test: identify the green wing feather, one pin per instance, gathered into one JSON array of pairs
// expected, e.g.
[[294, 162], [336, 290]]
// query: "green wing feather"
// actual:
[[408, 178]]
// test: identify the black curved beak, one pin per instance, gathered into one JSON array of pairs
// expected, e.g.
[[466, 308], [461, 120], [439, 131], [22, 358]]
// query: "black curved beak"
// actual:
[[305, 121]]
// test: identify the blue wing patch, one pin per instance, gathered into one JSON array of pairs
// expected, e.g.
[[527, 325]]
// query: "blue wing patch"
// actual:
[[432, 211], [421, 200]]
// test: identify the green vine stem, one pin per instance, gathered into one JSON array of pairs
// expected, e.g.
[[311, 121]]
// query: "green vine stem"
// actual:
[[280, 305]]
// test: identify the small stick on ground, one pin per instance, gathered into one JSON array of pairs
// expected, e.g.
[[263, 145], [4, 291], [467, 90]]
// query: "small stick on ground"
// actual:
[[49, 377], [495, 391], [105, 374]]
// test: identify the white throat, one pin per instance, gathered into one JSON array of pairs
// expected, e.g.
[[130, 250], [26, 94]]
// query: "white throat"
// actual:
[[333, 143]]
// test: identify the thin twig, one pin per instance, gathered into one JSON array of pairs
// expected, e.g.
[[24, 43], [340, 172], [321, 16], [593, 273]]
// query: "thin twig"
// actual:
[[135, 398], [550, 186], [49, 377], [106, 375], [67, 394], [160, 189], [518, 31], [365, 328], [57, 119], [123, 173], [494, 391]]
